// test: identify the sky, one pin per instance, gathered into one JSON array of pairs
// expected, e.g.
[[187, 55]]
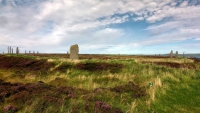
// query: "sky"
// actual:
[[101, 26]]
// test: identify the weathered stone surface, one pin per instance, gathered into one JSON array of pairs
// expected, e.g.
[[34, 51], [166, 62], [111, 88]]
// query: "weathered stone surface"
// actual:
[[17, 50], [171, 54], [74, 52], [176, 54], [10, 50]]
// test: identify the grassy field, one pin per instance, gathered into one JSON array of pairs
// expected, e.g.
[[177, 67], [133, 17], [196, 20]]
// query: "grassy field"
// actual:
[[98, 84]]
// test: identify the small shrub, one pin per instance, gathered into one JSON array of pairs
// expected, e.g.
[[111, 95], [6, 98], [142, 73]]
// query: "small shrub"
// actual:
[[58, 82], [136, 91], [105, 80], [101, 107], [63, 67], [99, 67], [10, 109]]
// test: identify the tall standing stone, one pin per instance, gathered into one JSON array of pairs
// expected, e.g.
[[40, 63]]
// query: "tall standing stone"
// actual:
[[74, 52], [171, 54], [17, 50], [10, 50], [176, 54]]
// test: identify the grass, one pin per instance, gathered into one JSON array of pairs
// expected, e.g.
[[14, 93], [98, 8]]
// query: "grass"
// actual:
[[173, 89]]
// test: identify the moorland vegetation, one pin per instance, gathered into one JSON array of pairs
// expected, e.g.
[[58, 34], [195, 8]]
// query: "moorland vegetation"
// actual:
[[52, 83]]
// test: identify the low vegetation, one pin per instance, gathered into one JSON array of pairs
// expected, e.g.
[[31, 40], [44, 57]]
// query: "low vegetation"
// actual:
[[98, 84]]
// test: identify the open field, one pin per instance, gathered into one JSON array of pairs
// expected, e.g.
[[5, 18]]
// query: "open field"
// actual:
[[52, 83]]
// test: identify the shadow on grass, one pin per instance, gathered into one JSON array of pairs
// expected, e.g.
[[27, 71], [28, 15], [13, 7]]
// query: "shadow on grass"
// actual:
[[42, 97], [105, 80], [63, 67], [136, 90], [20, 95], [25, 64], [99, 67], [173, 64], [43, 67]]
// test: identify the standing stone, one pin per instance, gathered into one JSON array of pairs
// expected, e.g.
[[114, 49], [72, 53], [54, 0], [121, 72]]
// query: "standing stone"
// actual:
[[17, 51], [25, 51], [10, 50], [176, 54], [74, 52], [171, 54]]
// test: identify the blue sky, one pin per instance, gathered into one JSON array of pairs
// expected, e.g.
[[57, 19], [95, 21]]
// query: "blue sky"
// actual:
[[101, 26]]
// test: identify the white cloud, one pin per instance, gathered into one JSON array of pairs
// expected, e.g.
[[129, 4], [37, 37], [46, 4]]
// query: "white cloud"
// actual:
[[175, 13], [182, 23], [173, 36], [190, 31], [107, 35], [64, 22], [111, 48], [184, 4], [138, 18]]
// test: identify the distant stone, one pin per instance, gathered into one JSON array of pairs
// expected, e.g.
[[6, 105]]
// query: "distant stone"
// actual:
[[176, 54], [74, 52], [171, 54]]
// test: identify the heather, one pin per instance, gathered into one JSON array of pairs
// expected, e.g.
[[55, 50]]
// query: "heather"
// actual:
[[98, 84]]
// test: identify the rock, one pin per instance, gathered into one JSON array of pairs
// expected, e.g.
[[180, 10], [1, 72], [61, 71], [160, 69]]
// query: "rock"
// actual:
[[171, 54], [74, 52], [176, 54]]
